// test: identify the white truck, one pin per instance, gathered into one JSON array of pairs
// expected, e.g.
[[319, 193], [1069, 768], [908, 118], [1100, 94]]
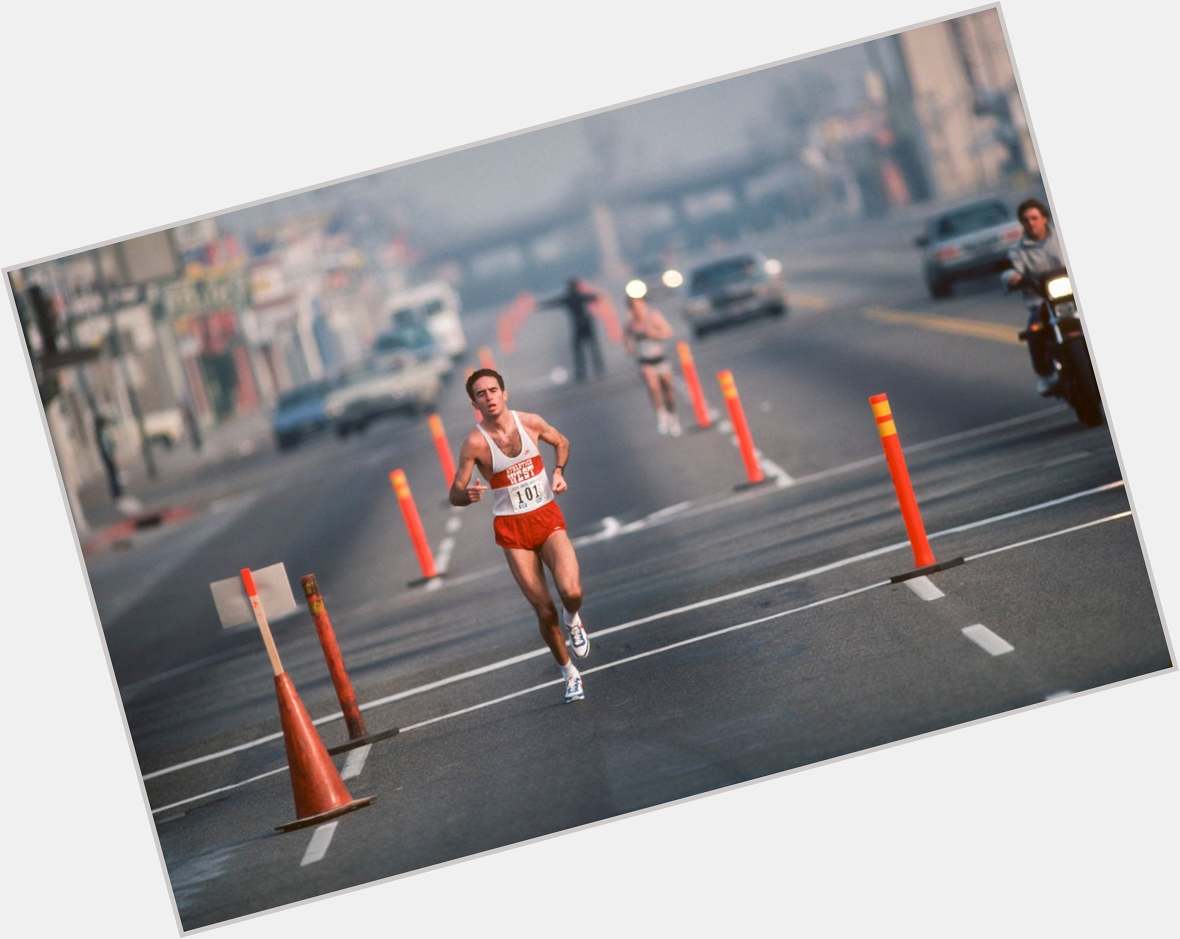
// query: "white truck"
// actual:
[[435, 305]]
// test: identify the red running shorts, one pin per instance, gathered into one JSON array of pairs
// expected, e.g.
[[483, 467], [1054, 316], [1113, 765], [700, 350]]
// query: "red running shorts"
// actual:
[[529, 530]]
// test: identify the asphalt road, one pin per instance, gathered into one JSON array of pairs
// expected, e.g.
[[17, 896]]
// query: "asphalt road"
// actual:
[[736, 633]]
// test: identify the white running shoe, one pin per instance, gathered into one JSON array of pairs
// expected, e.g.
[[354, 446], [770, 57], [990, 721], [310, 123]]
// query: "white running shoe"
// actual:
[[579, 640], [674, 426], [662, 421], [573, 688]]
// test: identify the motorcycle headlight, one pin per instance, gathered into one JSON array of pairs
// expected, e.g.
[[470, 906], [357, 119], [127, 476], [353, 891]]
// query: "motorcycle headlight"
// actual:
[[635, 289], [672, 278], [1059, 288]]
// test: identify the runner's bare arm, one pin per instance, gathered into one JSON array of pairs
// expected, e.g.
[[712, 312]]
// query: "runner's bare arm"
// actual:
[[462, 493], [545, 431]]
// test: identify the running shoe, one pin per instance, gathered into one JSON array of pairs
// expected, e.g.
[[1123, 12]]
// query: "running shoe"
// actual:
[[579, 640], [674, 426], [573, 689]]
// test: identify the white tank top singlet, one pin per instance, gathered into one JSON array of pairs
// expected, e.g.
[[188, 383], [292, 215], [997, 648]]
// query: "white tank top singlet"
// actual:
[[519, 483]]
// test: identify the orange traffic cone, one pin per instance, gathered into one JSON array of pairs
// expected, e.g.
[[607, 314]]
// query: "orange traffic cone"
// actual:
[[320, 793]]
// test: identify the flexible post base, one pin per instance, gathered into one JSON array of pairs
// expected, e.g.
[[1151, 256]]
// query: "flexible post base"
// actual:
[[325, 816], [764, 481], [929, 569], [355, 742], [424, 580]]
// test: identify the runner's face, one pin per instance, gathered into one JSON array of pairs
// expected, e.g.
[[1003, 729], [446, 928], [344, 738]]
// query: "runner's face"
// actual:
[[489, 397]]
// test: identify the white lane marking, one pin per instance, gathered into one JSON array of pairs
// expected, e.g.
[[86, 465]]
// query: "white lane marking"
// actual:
[[355, 762], [724, 426], [548, 684], [711, 601], [669, 510], [219, 790], [1058, 695], [1063, 531], [1068, 458], [772, 469], [610, 527], [318, 846], [987, 640], [435, 583], [454, 523], [443, 555], [924, 588], [642, 655]]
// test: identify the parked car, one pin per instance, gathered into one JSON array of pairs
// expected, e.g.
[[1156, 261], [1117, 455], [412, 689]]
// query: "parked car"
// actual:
[[300, 413], [732, 289], [437, 306], [380, 387], [966, 241]]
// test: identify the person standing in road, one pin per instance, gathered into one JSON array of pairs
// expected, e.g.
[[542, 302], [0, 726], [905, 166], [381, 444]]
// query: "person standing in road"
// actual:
[[647, 338], [1037, 253], [528, 524], [106, 450], [577, 299]]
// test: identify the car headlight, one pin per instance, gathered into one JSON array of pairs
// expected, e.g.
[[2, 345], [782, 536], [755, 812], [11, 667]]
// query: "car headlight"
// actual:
[[672, 278], [635, 289], [1059, 287]]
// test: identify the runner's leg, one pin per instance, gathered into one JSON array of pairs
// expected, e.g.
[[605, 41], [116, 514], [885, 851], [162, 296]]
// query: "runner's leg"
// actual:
[[558, 554], [530, 575]]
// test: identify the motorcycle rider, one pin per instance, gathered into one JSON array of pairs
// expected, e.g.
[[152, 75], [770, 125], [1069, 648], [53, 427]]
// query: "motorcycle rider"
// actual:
[[1037, 253]]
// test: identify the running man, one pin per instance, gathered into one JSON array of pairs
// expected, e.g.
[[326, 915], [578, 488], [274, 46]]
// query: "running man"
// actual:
[[647, 339], [528, 523]]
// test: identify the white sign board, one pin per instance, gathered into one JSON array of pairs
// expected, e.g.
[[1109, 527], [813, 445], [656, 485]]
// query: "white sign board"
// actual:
[[274, 592]]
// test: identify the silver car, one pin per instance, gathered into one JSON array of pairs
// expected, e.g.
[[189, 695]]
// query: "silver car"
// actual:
[[375, 389], [732, 289], [966, 241]]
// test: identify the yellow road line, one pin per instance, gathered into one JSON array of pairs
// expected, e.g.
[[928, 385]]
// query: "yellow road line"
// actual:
[[977, 329], [809, 301]]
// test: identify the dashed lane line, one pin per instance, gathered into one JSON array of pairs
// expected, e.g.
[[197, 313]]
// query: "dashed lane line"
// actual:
[[987, 640], [322, 836], [318, 846], [924, 588], [664, 614]]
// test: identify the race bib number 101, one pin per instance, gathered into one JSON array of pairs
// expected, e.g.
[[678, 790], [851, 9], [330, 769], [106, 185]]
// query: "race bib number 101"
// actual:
[[528, 496]]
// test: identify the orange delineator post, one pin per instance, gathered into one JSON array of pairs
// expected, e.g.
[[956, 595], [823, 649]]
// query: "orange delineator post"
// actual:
[[405, 500], [689, 368], [738, 418], [340, 680], [883, 413], [445, 460], [318, 790]]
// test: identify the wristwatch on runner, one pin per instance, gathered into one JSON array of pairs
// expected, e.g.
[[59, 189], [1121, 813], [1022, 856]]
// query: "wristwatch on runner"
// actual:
[[560, 466]]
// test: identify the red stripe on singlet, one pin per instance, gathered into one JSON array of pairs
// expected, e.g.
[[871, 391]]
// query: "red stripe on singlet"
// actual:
[[500, 479]]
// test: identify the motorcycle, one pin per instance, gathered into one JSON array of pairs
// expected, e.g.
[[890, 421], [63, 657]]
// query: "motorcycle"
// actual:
[[1066, 345]]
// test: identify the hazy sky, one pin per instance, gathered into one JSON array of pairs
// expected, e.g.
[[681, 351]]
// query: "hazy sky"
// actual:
[[473, 189]]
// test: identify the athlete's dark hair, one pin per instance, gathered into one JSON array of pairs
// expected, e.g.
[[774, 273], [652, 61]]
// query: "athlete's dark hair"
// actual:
[[483, 373], [1032, 204]]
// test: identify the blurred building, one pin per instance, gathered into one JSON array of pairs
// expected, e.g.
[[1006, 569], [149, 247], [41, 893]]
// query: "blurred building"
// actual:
[[956, 119]]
